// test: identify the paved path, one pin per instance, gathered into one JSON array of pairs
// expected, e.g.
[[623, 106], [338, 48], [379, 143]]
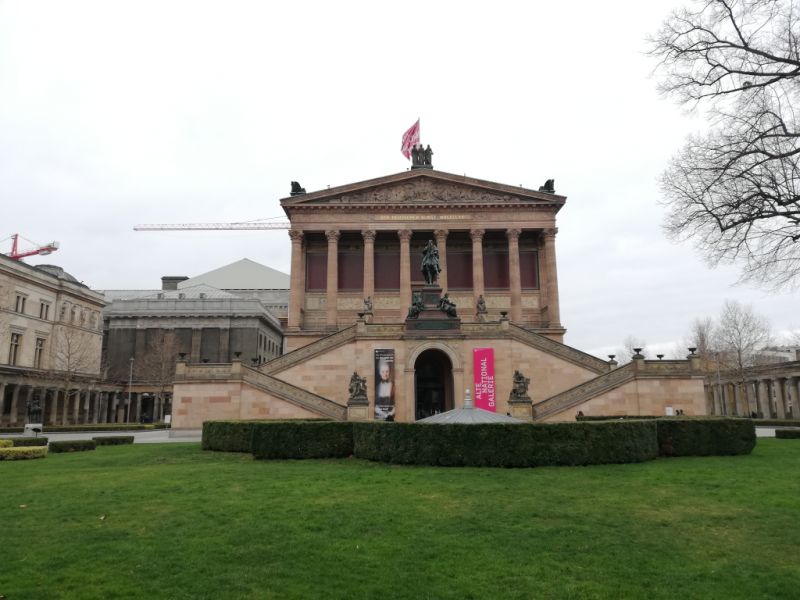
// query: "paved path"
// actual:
[[151, 436]]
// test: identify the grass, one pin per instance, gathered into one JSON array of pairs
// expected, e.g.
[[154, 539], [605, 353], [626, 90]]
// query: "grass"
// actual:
[[171, 521]]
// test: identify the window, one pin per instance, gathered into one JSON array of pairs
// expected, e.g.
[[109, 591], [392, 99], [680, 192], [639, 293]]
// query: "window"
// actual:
[[38, 352], [16, 339], [529, 269], [20, 305], [44, 310]]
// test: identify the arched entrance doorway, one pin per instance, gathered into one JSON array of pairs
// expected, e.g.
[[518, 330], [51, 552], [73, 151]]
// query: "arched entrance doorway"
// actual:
[[433, 384]]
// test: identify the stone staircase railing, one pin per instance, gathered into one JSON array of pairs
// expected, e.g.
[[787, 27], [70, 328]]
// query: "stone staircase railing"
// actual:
[[295, 395], [314, 348], [583, 392], [568, 353]]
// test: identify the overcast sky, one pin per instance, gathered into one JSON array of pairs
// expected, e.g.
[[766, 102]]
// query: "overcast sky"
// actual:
[[118, 113]]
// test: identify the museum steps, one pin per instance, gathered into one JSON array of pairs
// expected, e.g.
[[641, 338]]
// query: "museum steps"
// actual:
[[321, 346], [554, 348], [293, 394], [579, 394]]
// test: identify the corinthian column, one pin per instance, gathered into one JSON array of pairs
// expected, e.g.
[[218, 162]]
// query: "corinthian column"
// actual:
[[514, 274], [551, 278], [297, 285], [477, 263], [441, 246], [369, 262], [333, 277], [405, 271]]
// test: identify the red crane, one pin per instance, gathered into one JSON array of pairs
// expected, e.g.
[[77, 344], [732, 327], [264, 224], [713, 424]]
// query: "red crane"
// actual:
[[15, 254]]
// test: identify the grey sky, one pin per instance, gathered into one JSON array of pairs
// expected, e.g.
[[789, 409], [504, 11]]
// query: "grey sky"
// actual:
[[117, 113]]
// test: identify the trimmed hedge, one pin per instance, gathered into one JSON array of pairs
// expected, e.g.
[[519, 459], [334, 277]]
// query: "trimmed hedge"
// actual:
[[506, 445], [12, 429], [302, 439], [615, 418], [776, 422], [28, 441], [6, 443], [72, 446], [23, 453], [113, 440], [228, 436], [705, 437], [788, 434]]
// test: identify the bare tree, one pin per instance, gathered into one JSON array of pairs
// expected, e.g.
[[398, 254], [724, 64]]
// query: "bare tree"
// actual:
[[734, 189], [157, 366], [625, 354], [741, 334], [75, 354]]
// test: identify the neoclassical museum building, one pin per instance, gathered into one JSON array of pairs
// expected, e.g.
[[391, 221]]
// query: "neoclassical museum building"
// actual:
[[360, 309]]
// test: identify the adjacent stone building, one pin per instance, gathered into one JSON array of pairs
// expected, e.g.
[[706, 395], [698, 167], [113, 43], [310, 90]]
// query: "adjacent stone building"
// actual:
[[50, 347], [360, 307], [147, 331]]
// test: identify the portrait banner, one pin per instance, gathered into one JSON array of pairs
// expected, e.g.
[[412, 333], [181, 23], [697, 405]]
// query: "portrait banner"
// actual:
[[483, 375], [384, 384]]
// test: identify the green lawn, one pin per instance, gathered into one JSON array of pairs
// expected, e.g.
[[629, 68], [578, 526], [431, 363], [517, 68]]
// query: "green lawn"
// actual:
[[172, 521]]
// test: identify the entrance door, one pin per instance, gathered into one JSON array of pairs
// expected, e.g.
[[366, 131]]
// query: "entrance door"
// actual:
[[433, 384]]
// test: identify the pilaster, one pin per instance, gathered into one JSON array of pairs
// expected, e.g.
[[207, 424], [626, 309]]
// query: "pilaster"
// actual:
[[514, 276], [332, 295]]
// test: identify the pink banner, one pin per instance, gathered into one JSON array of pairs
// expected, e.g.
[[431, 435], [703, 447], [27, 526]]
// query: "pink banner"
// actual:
[[483, 374]]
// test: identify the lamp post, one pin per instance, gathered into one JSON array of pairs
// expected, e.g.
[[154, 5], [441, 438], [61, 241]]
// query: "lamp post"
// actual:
[[130, 385]]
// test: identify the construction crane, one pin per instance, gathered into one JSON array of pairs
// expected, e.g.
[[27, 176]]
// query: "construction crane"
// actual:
[[15, 254], [212, 226]]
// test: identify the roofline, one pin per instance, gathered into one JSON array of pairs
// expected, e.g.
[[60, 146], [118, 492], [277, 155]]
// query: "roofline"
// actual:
[[291, 201]]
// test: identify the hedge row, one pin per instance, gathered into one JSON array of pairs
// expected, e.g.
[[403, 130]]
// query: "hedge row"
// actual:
[[98, 427], [6, 443], [497, 445], [72, 446], [12, 429], [787, 434], [705, 437], [23, 453], [113, 440], [502, 445], [28, 441], [237, 436], [302, 439], [778, 422], [614, 418]]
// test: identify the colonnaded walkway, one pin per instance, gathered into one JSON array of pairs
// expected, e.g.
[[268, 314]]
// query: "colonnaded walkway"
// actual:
[[157, 436]]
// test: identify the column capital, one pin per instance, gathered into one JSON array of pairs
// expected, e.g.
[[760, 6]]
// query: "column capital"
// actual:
[[476, 234], [333, 235], [296, 235], [513, 234], [368, 235], [405, 235], [550, 232], [441, 234]]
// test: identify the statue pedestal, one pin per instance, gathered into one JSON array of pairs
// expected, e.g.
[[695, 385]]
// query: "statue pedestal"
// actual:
[[430, 317], [521, 409], [33, 429], [358, 409]]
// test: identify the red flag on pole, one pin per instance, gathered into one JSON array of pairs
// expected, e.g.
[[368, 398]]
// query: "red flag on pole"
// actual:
[[410, 138]]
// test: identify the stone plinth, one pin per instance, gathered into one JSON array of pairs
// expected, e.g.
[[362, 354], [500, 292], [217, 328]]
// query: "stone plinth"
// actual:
[[430, 317]]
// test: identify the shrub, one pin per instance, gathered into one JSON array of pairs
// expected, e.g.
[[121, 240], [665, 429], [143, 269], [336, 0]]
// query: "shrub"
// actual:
[[705, 437], [72, 446], [29, 441], [776, 422], [501, 445], [302, 439], [787, 434], [228, 436], [22, 453], [6, 443], [113, 440], [12, 429]]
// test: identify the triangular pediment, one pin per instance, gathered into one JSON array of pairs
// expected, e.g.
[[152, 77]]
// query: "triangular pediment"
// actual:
[[423, 187]]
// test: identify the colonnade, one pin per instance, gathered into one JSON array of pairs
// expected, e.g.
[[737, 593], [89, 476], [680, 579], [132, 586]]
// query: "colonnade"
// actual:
[[774, 397], [549, 278], [73, 407]]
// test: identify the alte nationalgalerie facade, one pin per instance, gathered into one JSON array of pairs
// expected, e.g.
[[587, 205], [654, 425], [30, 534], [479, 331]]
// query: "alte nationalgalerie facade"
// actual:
[[355, 273]]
